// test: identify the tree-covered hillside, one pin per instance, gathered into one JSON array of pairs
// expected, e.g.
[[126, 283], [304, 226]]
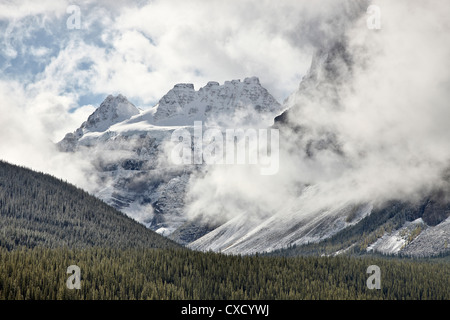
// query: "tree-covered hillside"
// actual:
[[47, 225], [39, 210], [183, 274]]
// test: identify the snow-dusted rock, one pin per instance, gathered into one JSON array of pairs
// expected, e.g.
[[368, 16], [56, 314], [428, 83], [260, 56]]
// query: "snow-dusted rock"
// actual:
[[127, 145]]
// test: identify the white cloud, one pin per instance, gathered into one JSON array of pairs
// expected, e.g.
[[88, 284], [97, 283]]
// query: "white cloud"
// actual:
[[392, 123], [39, 51], [199, 41], [24, 126], [15, 10]]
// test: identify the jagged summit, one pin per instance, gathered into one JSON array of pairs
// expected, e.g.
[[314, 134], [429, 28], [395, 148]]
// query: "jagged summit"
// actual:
[[112, 110], [188, 86], [183, 104], [234, 103]]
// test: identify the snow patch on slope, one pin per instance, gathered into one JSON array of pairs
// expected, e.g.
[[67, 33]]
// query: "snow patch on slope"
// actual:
[[394, 242], [432, 241]]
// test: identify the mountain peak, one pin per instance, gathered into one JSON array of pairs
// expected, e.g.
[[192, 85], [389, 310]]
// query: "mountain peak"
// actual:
[[233, 103], [212, 84], [252, 80], [188, 86], [111, 111], [183, 104]]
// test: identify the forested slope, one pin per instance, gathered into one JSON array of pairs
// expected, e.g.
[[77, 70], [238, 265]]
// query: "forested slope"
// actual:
[[183, 274], [39, 210]]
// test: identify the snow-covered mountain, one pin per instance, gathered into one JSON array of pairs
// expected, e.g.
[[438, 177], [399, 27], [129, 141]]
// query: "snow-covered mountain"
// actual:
[[233, 102], [129, 149], [127, 146], [111, 111]]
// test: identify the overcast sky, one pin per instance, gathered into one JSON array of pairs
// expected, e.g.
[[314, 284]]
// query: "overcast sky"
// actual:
[[141, 50], [52, 77]]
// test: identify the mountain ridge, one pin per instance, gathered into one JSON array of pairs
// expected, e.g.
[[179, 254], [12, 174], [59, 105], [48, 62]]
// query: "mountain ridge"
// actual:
[[38, 210], [140, 182], [130, 157]]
